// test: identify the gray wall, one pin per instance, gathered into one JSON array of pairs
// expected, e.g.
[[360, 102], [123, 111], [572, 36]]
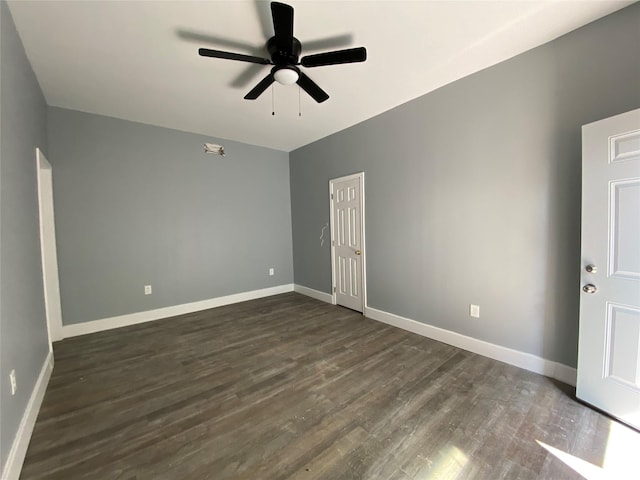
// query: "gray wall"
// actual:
[[23, 329], [473, 191], [141, 205]]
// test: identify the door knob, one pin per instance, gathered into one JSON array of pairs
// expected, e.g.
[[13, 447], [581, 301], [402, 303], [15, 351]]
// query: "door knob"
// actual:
[[358, 252], [590, 288], [591, 269]]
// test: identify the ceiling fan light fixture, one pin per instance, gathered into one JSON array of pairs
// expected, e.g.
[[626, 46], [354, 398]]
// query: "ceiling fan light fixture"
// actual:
[[286, 76], [284, 52]]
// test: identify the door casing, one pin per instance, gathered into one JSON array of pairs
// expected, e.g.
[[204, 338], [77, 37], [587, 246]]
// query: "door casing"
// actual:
[[48, 253]]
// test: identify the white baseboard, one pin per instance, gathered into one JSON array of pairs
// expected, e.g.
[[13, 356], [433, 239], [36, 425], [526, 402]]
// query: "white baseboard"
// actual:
[[13, 465], [77, 329], [524, 360], [310, 292]]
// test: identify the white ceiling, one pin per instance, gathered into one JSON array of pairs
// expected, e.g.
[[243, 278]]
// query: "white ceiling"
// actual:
[[138, 60]]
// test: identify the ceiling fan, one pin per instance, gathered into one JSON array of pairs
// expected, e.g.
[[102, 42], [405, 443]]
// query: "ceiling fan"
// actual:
[[284, 50]]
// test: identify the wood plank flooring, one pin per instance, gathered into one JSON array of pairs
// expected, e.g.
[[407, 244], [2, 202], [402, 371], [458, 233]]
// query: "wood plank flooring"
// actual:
[[288, 387]]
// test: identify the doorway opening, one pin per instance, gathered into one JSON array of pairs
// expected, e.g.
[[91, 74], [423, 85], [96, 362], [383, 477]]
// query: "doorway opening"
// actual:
[[48, 253]]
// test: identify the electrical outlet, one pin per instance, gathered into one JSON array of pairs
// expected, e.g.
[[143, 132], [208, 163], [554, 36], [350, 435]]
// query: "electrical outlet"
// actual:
[[12, 379], [147, 290], [474, 311], [272, 271]]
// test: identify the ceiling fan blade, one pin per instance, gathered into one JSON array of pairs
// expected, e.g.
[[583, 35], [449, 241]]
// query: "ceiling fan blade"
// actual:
[[205, 52], [312, 88], [260, 87], [350, 55], [282, 20]]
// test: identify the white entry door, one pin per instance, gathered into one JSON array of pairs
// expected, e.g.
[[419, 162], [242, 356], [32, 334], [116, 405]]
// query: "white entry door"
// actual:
[[609, 346], [347, 233]]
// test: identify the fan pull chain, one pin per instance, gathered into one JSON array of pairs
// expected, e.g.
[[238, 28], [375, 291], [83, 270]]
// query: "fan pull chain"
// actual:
[[299, 109], [273, 108]]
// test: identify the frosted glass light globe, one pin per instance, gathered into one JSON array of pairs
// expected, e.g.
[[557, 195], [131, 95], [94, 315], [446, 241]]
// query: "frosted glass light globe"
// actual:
[[286, 76]]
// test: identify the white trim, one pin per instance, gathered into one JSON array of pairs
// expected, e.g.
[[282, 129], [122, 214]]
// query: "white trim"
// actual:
[[77, 329], [524, 360], [364, 243], [317, 294], [359, 176], [13, 465], [332, 247], [46, 221]]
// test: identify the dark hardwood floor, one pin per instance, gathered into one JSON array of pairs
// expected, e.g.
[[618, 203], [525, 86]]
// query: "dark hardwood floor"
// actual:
[[290, 387]]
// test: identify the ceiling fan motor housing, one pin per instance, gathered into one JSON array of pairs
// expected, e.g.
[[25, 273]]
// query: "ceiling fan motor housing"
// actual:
[[284, 51]]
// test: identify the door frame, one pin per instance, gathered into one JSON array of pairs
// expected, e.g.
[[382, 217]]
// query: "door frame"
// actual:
[[52, 305], [360, 176]]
